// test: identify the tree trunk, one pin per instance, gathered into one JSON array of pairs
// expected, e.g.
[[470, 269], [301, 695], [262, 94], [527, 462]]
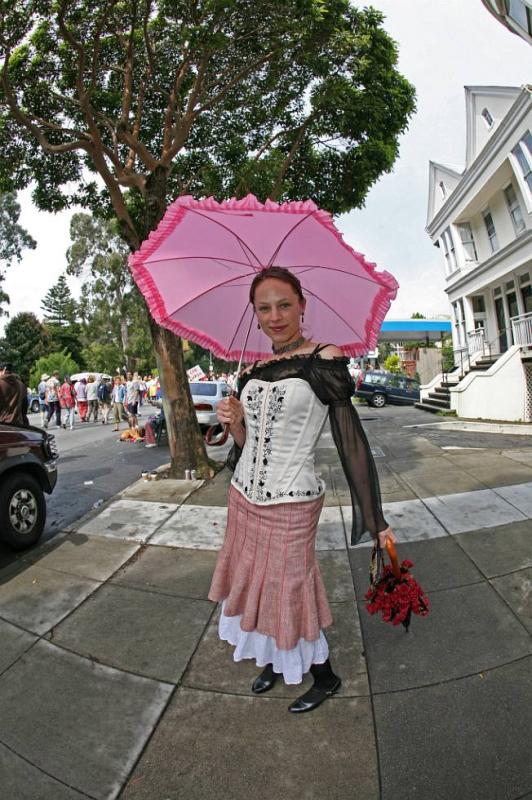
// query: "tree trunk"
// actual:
[[187, 447]]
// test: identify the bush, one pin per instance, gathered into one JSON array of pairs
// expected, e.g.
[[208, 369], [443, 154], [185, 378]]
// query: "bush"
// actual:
[[61, 362], [392, 363]]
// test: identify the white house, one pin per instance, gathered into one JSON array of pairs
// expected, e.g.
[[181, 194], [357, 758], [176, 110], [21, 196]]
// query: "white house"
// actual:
[[516, 15], [481, 219]]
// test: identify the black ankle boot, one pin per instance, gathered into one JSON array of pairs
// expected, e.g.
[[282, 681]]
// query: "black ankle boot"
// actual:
[[265, 681], [326, 683]]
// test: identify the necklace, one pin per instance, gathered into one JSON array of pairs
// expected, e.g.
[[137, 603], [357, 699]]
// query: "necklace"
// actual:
[[285, 348]]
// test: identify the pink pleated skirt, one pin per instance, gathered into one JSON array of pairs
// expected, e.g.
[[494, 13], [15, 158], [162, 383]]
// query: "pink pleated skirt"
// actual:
[[267, 574]]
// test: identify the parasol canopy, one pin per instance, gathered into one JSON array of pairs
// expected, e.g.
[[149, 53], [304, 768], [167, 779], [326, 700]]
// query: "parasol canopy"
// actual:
[[196, 268]]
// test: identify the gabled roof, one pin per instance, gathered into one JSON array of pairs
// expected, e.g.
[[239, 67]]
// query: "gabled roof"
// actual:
[[437, 173], [498, 100]]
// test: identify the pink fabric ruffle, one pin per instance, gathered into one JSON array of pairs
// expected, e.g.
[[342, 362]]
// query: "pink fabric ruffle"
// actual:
[[267, 572]]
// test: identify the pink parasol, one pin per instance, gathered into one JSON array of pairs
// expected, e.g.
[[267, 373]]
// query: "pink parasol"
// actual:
[[195, 271]]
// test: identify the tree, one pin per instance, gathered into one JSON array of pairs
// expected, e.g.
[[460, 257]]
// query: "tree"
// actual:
[[111, 307], [60, 312], [122, 106], [13, 238], [417, 315], [25, 340], [61, 362]]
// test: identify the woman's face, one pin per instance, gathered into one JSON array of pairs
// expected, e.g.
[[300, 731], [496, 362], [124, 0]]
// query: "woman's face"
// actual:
[[278, 309]]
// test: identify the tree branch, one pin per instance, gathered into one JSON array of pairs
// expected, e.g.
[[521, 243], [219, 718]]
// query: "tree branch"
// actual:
[[237, 78], [290, 157]]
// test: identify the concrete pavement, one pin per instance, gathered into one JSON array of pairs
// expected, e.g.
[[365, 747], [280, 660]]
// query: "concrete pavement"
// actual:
[[113, 681]]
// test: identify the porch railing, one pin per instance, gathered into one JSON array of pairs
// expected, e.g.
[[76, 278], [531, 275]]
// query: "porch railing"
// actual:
[[522, 329], [475, 341]]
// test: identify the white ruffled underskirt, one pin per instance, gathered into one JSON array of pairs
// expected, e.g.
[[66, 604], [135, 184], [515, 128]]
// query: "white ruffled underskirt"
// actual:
[[292, 664]]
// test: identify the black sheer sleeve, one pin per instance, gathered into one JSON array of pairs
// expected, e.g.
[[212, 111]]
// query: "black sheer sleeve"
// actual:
[[235, 452], [331, 381]]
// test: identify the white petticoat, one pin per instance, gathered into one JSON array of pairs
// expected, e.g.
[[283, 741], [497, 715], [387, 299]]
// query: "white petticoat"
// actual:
[[293, 664]]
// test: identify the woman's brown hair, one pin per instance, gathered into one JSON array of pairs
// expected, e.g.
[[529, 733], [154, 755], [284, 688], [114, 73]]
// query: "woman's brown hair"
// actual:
[[282, 274]]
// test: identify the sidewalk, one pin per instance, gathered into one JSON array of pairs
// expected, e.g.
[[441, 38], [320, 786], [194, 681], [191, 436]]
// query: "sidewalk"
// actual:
[[113, 681]]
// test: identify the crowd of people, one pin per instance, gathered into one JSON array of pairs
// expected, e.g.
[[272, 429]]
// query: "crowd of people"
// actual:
[[95, 397]]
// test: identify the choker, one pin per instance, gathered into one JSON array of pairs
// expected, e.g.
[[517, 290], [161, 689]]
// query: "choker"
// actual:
[[285, 348]]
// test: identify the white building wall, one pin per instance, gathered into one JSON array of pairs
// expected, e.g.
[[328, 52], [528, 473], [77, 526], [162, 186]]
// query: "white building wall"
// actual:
[[499, 393]]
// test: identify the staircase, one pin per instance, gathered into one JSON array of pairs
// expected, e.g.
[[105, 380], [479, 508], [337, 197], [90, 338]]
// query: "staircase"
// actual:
[[439, 399]]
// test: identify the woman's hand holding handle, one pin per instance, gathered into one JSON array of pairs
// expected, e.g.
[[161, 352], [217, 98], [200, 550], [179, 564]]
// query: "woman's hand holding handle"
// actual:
[[383, 535], [230, 412]]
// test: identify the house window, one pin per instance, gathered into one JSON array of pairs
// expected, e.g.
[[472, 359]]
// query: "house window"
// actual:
[[524, 278], [448, 251], [515, 209], [488, 119], [478, 303], [490, 228], [468, 242], [520, 13], [443, 190], [523, 155]]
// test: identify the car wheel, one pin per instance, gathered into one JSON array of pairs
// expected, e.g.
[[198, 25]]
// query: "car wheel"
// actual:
[[35, 406], [378, 400], [22, 510]]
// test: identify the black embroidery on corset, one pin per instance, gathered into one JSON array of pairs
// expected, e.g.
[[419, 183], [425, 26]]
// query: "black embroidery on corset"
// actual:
[[273, 409]]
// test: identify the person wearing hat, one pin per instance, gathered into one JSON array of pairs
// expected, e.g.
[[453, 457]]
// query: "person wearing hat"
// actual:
[[13, 397], [41, 391]]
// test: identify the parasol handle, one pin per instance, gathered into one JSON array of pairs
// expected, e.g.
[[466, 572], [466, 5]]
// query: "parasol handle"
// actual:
[[392, 555], [215, 440]]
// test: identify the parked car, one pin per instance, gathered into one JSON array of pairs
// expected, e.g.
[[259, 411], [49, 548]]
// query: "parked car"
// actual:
[[28, 468], [33, 403], [379, 387], [206, 395]]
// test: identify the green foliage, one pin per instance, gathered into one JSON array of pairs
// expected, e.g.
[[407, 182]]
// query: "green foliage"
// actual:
[[111, 308], [25, 340], [417, 315], [13, 238], [58, 305], [159, 99], [61, 361], [60, 318], [447, 358], [103, 357], [392, 363]]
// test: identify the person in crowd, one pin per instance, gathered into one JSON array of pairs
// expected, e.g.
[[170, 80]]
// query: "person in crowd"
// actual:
[[81, 396], [52, 400], [13, 397], [142, 390], [132, 398], [118, 397], [41, 391], [67, 401], [92, 398], [152, 389], [105, 388], [274, 605]]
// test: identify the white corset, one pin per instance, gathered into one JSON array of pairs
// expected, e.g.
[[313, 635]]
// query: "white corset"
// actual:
[[284, 420]]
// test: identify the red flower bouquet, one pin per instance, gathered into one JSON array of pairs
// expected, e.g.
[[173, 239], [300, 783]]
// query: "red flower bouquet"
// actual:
[[394, 591]]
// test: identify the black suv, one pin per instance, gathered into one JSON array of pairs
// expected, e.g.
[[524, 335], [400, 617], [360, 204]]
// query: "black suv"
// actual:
[[28, 468]]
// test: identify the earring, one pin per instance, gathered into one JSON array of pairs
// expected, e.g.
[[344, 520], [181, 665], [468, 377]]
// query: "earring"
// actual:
[[258, 326], [302, 318]]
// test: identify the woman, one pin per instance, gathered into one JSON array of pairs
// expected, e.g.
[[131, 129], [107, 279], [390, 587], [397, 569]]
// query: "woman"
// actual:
[[81, 392], [267, 578], [67, 399]]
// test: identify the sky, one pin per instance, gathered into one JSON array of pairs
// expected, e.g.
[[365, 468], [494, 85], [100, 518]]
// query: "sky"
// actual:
[[443, 45]]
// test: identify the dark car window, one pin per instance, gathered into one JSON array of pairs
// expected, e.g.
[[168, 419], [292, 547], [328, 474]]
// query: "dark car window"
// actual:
[[412, 384], [397, 381], [204, 388]]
